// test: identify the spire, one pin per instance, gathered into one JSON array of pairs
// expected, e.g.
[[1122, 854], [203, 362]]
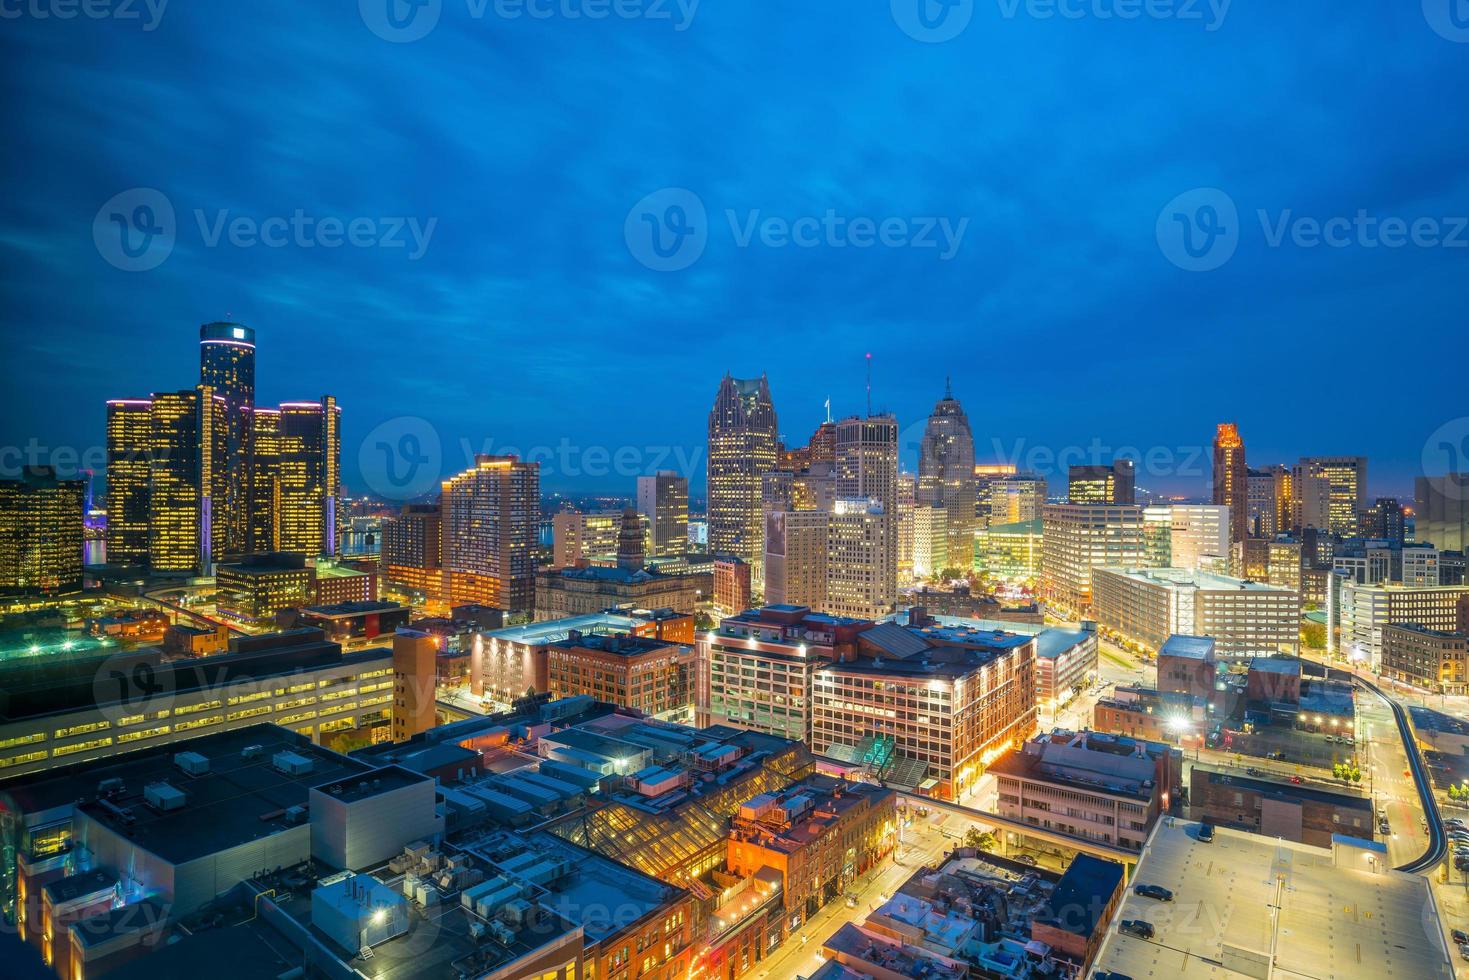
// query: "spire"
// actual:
[[948, 389]]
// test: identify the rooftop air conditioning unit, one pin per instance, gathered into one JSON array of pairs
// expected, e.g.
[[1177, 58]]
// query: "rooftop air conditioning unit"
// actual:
[[163, 797]]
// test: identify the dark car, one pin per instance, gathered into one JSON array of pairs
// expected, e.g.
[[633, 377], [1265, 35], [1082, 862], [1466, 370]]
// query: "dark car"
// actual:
[[1252, 771], [1206, 832], [1460, 937], [1137, 927], [1026, 859], [1463, 952], [1154, 891], [1110, 975]]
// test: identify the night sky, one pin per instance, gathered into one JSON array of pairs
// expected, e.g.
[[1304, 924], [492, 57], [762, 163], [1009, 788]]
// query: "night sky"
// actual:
[[541, 311]]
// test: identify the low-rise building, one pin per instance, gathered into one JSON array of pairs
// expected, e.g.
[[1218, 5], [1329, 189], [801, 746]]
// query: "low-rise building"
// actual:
[[588, 589], [1431, 659], [821, 834], [1188, 665], [732, 585], [357, 620], [1364, 610], [652, 676], [255, 587], [1289, 811], [1155, 716], [1097, 787], [1274, 679], [1064, 661]]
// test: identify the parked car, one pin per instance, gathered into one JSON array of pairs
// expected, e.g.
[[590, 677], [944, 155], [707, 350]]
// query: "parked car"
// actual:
[[1026, 859], [1140, 928], [1154, 891], [1463, 951], [1206, 832], [1110, 975], [1297, 780], [1460, 937], [1453, 822], [1252, 771]]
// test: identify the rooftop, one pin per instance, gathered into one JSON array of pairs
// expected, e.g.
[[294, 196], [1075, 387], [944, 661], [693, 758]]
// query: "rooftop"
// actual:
[[1287, 666], [1290, 791], [1188, 647], [240, 799], [1051, 643], [1188, 578], [557, 630], [1083, 893], [1336, 917]]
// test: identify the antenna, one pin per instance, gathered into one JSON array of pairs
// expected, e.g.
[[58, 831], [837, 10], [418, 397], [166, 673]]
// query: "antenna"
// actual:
[[869, 384]]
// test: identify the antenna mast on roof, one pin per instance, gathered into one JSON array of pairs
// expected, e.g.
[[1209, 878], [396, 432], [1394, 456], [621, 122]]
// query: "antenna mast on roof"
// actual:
[[869, 384]]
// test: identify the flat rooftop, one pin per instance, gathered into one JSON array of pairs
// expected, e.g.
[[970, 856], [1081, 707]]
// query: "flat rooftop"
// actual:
[[1187, 647], [237, 801], [1333, 923], [1051, 643], [557, 630], [1188, 578]]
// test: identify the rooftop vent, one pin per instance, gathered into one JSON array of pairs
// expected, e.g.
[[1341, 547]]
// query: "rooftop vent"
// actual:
[[163, 797], [191, 763]]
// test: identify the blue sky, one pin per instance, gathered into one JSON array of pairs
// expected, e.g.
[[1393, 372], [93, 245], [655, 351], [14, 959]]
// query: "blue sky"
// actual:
[[531, 152]]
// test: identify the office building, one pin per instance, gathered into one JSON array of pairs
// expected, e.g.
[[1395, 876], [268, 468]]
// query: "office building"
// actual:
[[732, 585], [1364, 610], [1188, 665], [1145, 607], [295, 478], [1105, 788], [489, 516], [591, 537], [40, 534], [52, 711], [415, 683], [227, 367], [583, 591], [1331, 493], [1386, 521], [743, 447], [129, 435], [1112, 485], [1064, 661], [649, 675], [946, 475], [796, 543], [1231, 479], [1441, 511], [1010, 552], [1080, 537], [1269, 502], [924, 707], [1434, 660], [188, 442], [931, 540], [663, 500], [253, 588], [1015, 498], [1198, 534]]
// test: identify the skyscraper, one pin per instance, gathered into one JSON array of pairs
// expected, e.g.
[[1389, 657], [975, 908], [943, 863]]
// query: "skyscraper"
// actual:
[[743, 447], [1332, 491], [40, 534], [1441, 506], [490, 515], [129, 424], [294, 484], [946, 476], [188, 443], [227, 366], [664, 500], [862, 550], [1231, 479], [1114, 484]]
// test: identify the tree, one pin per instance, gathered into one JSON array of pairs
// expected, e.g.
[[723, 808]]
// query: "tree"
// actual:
[[349, 742], [1313, 636], [980, 840], [951, 575]]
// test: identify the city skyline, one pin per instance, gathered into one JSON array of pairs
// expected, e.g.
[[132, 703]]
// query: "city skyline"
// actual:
[[528, 273]]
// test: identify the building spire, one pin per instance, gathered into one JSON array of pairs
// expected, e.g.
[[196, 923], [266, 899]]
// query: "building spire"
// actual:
[[948, 389]]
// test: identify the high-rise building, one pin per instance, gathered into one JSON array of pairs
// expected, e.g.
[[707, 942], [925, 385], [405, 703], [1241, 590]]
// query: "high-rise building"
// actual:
[[1231, 479], [489, 515], [1385, 521], [40, 533], [946, 475], [1441, 511], [1016, 498], [743, 446], [1332, 491], [1268, 492], [227, 366], [188, 443], [412, 544], [1198, 532], [795, 557], [862, 551], [1114, 484], [664, 500], [1078, 538], [295, 478], [129, 429]]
